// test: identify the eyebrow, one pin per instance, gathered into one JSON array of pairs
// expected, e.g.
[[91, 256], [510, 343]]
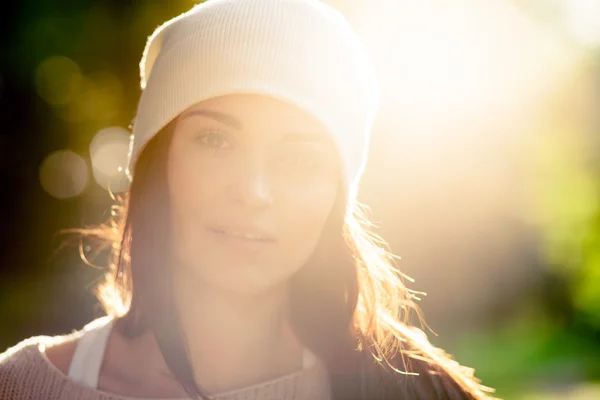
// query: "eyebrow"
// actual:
[[226, 119], [235, 123]]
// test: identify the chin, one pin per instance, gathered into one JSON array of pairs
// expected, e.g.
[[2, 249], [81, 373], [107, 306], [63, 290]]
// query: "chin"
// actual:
[[246, 279]]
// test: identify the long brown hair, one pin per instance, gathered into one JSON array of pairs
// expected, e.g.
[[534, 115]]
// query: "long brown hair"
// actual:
[[348, 300]]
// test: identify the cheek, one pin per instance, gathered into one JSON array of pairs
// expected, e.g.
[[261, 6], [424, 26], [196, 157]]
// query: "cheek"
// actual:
[[303, 219], [192, 186], [187, 187]]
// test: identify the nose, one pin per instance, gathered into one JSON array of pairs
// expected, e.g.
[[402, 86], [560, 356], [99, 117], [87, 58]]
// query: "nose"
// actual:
[[252, 186]]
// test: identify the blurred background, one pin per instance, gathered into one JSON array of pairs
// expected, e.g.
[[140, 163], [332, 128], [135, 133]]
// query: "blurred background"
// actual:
[[484, 175]]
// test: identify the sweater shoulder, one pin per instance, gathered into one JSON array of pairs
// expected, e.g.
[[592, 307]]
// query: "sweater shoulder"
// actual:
[[28, 350], [21, 353], [25, 370]]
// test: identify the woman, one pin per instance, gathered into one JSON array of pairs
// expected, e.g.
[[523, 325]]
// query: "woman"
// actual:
[[242, 266]]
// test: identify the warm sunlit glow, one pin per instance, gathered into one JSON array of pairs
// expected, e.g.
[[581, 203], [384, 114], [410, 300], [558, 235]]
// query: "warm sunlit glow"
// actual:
[[463, 83], [583, 20], [457, 58]]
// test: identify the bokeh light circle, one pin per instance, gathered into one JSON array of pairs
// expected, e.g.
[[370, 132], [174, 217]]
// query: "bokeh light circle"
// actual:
[[108, 151], [64, 174]]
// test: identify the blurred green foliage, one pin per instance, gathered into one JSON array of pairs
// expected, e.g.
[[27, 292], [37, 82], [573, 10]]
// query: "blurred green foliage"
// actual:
[[550, 348]]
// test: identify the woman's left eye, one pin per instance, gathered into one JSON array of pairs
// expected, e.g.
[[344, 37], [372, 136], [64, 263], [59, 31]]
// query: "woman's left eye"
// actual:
[[214, 139], [301, 160]]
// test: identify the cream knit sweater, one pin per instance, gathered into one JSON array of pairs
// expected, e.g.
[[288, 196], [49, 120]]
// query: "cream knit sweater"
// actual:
[[26, 373]]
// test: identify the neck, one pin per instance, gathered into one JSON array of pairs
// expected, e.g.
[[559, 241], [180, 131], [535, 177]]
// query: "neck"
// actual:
[[236, 339]]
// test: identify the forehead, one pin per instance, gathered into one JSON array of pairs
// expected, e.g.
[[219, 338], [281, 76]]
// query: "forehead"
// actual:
[[255, 111]]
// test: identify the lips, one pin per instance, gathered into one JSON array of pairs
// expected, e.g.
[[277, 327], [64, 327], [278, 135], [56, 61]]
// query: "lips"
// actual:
[[245, 233]]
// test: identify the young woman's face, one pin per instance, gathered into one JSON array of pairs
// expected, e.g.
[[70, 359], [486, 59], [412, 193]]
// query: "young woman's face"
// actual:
[[252, 181]]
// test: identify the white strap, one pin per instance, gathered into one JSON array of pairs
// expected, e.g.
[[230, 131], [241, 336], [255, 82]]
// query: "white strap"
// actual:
[[89, 352]]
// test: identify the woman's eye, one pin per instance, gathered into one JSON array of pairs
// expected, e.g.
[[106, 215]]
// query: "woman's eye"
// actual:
[[301, 160], [214, 139]]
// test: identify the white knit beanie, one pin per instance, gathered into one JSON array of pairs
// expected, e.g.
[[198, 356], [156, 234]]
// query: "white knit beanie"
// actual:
[[300, 51]]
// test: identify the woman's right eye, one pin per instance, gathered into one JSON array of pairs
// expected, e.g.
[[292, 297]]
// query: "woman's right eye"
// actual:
[[214, 139]]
